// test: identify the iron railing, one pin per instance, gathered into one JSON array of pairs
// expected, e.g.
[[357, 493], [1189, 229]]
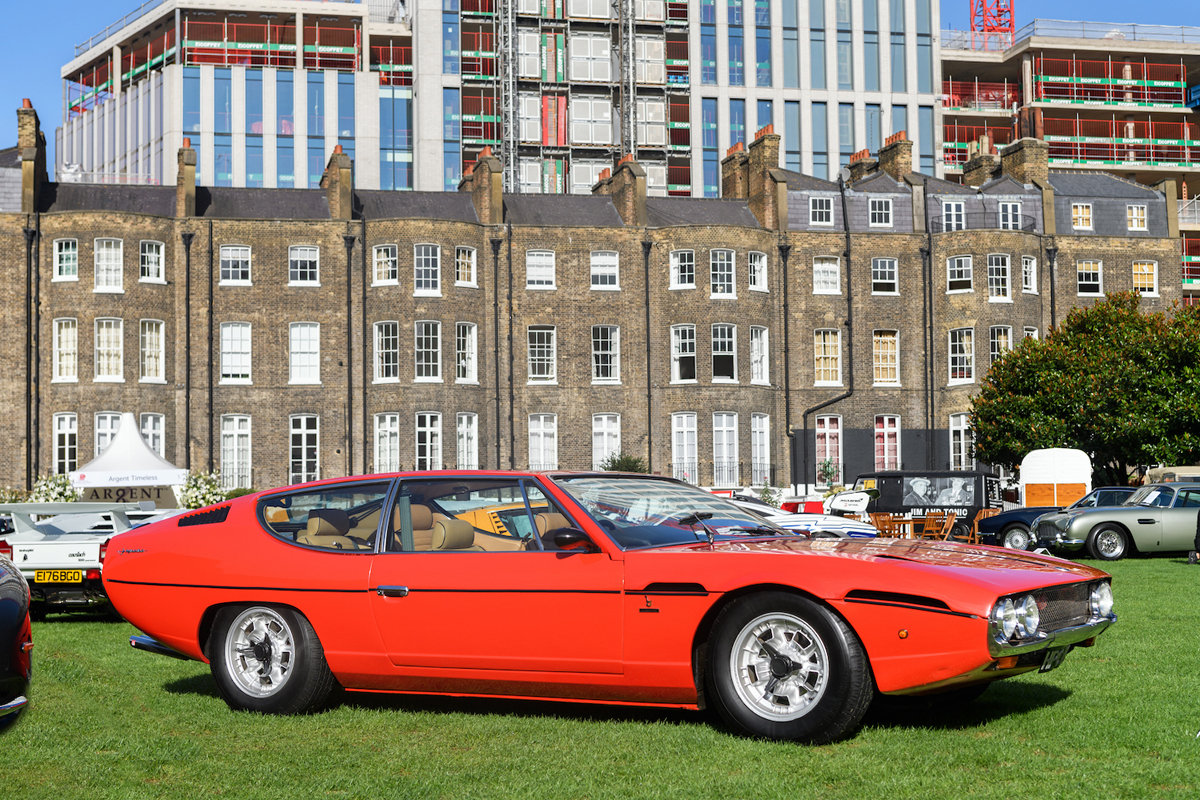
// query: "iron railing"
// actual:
[[686, 471], [980, 220]]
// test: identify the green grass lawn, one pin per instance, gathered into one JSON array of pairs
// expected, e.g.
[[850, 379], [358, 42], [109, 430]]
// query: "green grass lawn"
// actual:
[[1118, 720]]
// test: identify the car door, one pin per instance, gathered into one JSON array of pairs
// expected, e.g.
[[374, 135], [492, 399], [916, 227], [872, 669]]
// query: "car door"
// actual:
[[1146, 519], [1179, 521], [447, 604]]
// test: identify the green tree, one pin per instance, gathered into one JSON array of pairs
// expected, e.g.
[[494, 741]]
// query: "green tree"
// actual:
[[1117, 383], [624, 462]]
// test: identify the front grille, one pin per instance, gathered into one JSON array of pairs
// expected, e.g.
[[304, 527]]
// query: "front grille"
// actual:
[[1064, 606], [1046, 531]]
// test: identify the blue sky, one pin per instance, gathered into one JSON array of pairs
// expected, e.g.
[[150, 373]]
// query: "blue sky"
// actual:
[[38, 39]]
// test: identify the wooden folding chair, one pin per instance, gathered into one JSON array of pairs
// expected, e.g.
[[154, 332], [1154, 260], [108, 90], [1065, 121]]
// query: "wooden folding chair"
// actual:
[[983, 513], [947, 527], [930, 527]]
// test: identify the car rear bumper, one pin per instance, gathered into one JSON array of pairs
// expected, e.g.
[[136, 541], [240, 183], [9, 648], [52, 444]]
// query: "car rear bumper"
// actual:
[[69, 595], [13, 707]]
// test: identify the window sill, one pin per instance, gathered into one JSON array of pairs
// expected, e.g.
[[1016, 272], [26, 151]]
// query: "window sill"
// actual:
[[1146, 294], [1090, 294], [305, 284], [378, 381], [234, 283], [542, 383], [1000, 299], [838, 293], [885, 294], [606, 382], [820, 384], [156, 381], [760, 383], [99, 290], [960, 291], [812, 224], [878, 226], [466, 285], [550, 288], [961, 382], [885, 385], [385, 283], [155, 281], [64, 380], [606, 288], [427, 380], [1032, 292], [426, 293], [722, 297], [303, 383], [684, 382], [71, 279], [107, 380], [764, 290], [235, 382], [465, 382], [681, 286], [726, 381]]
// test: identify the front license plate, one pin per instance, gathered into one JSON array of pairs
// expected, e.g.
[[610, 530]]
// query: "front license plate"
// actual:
[[58, 575], [1054, 657]]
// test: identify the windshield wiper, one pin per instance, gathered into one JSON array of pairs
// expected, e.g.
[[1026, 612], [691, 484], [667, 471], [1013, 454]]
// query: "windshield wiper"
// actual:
[[697, 518], [764, 530]]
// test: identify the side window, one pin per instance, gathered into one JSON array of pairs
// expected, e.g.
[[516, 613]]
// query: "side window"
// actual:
[[1189, 498], [480, 516], [1088, 502], [345, 517]]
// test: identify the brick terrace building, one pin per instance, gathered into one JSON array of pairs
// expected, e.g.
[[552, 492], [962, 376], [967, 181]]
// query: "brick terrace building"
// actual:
[[287, 334]]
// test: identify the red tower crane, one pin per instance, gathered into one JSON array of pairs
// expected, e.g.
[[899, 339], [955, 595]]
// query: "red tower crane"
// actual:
[[991, 24]]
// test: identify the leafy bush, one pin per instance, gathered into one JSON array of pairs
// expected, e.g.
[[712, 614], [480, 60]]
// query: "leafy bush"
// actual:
[[53, 489], [769, 494], [232, 493], [202, 489], [624, 462], [10, 495]]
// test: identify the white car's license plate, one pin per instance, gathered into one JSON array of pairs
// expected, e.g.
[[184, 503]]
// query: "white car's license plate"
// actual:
[[1054, 657], [58, 576]]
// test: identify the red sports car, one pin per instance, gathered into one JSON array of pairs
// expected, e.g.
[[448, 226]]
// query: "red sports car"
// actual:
[[599, 587]]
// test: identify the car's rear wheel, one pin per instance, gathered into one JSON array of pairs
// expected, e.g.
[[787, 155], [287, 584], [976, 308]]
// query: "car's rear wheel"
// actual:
[[783, 667], [1016, 537], [1108, 543], [268, 659]]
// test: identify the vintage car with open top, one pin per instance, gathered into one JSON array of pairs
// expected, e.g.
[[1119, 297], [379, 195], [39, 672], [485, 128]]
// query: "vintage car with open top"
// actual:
[[610, 588]]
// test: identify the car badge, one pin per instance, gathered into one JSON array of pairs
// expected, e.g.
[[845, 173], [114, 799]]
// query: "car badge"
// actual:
[[25, 557]]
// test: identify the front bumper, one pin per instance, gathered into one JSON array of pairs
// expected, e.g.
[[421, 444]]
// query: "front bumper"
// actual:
[[1050, 536]]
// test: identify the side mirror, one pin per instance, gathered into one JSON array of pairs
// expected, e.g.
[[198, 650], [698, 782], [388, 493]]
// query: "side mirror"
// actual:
[[574, 539]]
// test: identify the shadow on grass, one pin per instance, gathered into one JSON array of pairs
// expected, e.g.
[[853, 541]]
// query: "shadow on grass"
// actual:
[[1002, 699], [197, 684]]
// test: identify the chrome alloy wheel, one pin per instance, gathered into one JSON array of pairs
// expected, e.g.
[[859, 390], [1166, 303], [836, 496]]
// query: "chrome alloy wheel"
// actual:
[[260, 650], [780, 667], [1110, 543]]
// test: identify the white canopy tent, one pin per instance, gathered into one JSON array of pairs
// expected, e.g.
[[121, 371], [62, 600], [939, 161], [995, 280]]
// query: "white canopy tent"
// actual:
[[128, 461]]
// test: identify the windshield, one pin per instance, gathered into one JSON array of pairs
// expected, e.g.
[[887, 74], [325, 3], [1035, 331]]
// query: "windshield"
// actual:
[[1157, 496], [646, 512]]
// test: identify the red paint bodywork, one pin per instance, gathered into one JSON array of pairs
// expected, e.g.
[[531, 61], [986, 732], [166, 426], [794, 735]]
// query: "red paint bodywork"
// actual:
[[569, 626]]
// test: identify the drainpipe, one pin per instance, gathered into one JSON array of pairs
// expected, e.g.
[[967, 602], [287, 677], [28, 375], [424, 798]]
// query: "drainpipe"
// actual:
[[512, 431], [36, 363], [647, 246], [927, 335], [496, 242], [187, 348], [30, 356], [212, 279], [1052, 254], [364, 355], [785, 250], [849, 324], [349, 240]]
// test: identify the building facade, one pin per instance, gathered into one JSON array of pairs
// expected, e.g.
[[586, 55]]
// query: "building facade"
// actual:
[[792, 325]]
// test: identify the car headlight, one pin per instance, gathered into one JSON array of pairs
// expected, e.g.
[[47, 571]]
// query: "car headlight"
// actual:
[[1102, 600], [1028, 616], [1004, 615]]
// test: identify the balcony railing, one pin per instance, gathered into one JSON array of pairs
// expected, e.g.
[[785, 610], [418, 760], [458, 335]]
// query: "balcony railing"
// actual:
[[686, 471], [1064, 29], [725, 472], [979, 220], [981, 95], [1189, 214]]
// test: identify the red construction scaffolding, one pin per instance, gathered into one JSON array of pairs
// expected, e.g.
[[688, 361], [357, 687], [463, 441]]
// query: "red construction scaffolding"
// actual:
[[154, 54], [955, 139], [478, 57], [228, 43], [1071, 80], [1122, 140], [981, 95], [393, 63]]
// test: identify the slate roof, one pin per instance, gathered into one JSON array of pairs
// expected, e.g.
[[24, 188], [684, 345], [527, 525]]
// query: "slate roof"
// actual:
[[380, 204], [10, 158], [227, 203], [1007, 184], [880, 183], [556, 209], [799, 182], [156, 200], [1097, 184], [666, 211], [938, 186]]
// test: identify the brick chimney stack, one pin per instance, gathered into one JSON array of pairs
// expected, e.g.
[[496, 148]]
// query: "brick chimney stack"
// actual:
[[766, 186], [982, 162], [1027, 161], [861, 165], [895, 157], [338, 183], [185, 181], [31, 144], [627, 187], [485, 182], [735, 178]]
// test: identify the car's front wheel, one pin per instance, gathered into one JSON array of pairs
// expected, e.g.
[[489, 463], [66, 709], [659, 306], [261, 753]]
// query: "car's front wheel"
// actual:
[[1108, 543], [268, 659], [1016, 537], [783, 667]]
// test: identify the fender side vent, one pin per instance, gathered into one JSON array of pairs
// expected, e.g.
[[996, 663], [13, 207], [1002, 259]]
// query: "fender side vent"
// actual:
[[207, 516], [676, 588], [896, 597]]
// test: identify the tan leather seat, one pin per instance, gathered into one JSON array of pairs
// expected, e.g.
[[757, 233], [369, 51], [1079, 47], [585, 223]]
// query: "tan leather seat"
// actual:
[[422, 523], [547, 524], [327, 527], [454, 534]]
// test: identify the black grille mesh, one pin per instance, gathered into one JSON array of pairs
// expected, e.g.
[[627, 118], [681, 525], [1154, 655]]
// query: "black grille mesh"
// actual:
[[1063, 606], [207, 516]]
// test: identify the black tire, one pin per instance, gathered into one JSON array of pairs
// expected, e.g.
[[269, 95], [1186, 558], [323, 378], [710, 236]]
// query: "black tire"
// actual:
[[1108, 542], [829, 682], [268, 659], [960, 532], [1016, 537]]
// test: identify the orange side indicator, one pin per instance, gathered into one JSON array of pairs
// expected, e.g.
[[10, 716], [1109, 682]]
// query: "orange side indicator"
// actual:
[[1008, 662], [903, 633]]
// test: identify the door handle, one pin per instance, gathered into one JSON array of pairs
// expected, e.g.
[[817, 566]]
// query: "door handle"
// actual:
[[1145, 522], [391, 591]]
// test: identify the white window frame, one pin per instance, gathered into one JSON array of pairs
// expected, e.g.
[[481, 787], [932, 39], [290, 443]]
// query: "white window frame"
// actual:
[[109, 270], [1153, 290], [760, 449], [960, 269], [879, 212], [820, 212], [1098, 272], [427, 441], [229, 356], [304, 254], [680, 259], [310, 470], [962, 443], [726, 454], [242, 256], [540, 270], [386, 262], [681, 335], [66, 351], [953, 216], [542, 355], [465, 263], [684, 453], [387, 340], [606, 346], [606, 268], [884, 361], [961, 356], [823, 340], [105, 353], [66, 442], [236, 451], [822, 267], [890, 429], [881, 268], [467, 440], [760, 356], [387, 442], [1030, 333], [152, 351], [466, 353], [427, 270], [824, 449], [66, 260], [301, 350], [1135, 213], [718, 267], [999, 274], [724, 337], [1081, 217], [1000, 341], [1029, 275], [151, 268], [756, 267], [154, 432], [424, 332], [543, 441], [1009, 213], [105, 427], [606, 438]]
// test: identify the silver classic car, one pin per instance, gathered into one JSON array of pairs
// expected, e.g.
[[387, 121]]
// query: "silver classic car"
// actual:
[[1159, 517]]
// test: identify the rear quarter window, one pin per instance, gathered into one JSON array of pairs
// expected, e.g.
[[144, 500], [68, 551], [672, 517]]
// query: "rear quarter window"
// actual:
[[343, 518]]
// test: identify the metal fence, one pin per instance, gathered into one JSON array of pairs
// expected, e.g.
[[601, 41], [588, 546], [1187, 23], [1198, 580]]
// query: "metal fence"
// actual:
[[979, 220], [1066, 29], [1189, 212]]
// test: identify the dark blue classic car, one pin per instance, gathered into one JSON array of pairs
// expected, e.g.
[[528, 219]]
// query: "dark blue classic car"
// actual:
[[15, 643], [1011, 528]]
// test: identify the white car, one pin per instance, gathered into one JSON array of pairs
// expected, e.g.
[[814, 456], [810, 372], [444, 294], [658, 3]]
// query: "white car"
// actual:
[[811, 524], [60, 548]]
